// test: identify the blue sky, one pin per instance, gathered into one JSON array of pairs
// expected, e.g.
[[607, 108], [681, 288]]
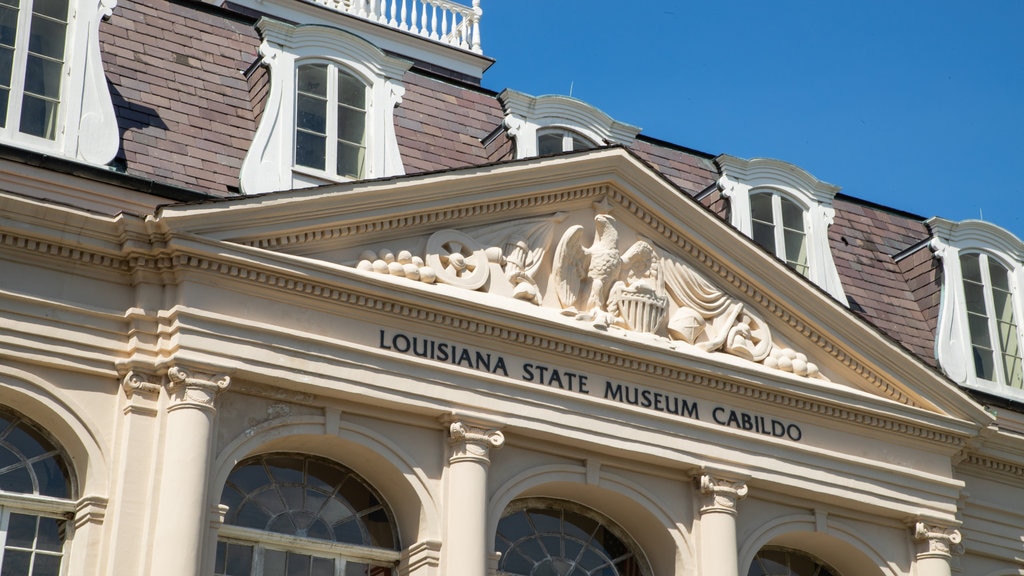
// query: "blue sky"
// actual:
[[911, 104]]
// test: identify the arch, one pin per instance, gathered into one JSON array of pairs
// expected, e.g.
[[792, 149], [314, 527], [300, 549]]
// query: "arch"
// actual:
[[42, 402], [381, 463], [839, 546], [658, 535]]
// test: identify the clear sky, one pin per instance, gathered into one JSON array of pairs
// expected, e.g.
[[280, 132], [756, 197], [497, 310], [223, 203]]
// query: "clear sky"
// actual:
[[911, 104]]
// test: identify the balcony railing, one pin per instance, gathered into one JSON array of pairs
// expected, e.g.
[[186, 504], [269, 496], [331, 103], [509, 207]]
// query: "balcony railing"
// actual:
[[438, 20]]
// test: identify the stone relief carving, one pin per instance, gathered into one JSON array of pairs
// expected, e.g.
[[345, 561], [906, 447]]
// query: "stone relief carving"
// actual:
[[638, 290]]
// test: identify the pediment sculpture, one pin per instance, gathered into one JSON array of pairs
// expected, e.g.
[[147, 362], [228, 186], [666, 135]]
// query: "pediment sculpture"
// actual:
[[639, 289]]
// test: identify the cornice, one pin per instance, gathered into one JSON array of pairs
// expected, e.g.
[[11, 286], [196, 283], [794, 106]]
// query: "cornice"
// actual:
[[473, 327], [1013, 470], [13, 240]]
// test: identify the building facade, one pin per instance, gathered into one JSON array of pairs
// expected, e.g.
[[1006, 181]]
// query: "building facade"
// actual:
[[285, 291]]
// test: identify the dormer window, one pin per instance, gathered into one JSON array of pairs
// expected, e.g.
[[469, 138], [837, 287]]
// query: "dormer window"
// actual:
[[992, 324], [978, 339], [785, 210], [550, 124], [778, 225], [330, 112], [30, 65], [53, 94], [552, 141], [330, 120]]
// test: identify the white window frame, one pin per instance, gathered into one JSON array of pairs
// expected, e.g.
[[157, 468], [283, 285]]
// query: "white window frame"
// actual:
[[331, 146], [568, 136], [953, 345], [528, 116], [743, 178], [86, 128], [269, 165], [779, 229]]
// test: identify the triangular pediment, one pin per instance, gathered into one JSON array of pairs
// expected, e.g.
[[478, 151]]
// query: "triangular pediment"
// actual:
[[595, 242]]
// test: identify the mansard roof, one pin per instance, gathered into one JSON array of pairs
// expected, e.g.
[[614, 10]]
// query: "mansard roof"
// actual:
[[189, 92]]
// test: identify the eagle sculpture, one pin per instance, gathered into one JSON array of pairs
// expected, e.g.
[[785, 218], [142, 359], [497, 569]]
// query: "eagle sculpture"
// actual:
[[600, 263]]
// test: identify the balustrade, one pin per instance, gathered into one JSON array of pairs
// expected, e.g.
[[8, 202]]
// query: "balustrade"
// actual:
[[438, 20]]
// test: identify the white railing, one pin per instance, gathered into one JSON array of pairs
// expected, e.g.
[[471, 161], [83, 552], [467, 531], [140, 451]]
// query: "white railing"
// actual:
[[440, 20]]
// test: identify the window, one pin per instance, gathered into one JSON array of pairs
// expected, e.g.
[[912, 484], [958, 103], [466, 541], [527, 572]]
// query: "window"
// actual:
[[553, 538], [772, 561], [330, 120], [554, 141], [302, 515], [785, 210], [32, 531], [44, 63], [777, 224], [991, 322], [978, 339], [550, 124], [32, 40], [330, 111]]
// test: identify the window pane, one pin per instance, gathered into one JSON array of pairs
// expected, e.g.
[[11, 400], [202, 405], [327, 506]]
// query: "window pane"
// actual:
[[298, 564], [796, 250], [974, 296], [6, 64], [53, 8], [42, 77], [46, 565], [8, 25], [978, 326], [47, 37], [983, 363], [351, 125], [311, 114], [50, 535], [21, 531], [970, 268], [761, 208], [549, 143], [792, 215], [581, 143], [999, 275], [17, 480], [322, 567], [351, 91], [312, 79], [273, 562], [16, 563], [764, 235], [310, 150], [350, 160], [38, 117]]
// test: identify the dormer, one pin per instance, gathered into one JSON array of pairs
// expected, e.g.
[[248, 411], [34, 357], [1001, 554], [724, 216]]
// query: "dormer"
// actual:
[[543, 125], [979, 334], [786, 211], [336, 74], [53, 94]]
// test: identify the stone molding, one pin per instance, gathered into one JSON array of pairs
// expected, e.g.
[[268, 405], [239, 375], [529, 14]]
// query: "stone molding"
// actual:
[[194, 391], [720, 495], [139, 383], [472, 443], [90, 510], [424, 555], [935, 541]]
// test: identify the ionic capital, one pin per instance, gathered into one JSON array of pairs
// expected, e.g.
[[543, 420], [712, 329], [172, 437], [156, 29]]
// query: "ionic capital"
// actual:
[[137, 382], [934, 541], [471, 443], [194, 391], [720, 495]]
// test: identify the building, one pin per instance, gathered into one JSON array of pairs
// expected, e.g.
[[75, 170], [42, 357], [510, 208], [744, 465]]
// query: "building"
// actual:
[[284, 290]]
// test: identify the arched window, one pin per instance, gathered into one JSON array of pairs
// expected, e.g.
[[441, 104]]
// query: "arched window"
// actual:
[[773, 561], [992, 324], [330, 120], [557, 538], [551, 141], [778, 224], [303, 515], [32, 529]]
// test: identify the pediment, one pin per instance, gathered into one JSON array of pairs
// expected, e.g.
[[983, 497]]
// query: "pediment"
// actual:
[[595, 242]]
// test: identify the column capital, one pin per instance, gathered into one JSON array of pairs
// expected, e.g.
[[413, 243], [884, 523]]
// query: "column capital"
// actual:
[[720, 494], [472, 442], [190, 390], [936, 541]]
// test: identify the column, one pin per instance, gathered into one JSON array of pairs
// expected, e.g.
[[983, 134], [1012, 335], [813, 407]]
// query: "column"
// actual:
[[182, 513], [935, 548], [466, 543], [718, 498]]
